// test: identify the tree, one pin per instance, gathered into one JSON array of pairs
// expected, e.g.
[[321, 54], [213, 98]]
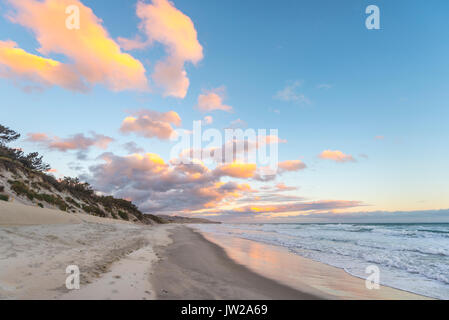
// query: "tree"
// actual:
[[31, 160], [34, 161], [7, 135]]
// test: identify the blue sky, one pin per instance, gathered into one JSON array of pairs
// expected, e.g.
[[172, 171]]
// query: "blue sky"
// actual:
[[348, 84]]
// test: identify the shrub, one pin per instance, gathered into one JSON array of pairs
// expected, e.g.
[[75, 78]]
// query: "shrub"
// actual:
[[21, 189], [70, 200], [155, 218], [2, 188], [40, 205], [4, 197], [123, 215], [93, 209]]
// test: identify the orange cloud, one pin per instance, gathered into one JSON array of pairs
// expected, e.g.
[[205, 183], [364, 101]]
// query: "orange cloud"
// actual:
[[237, 170], [291, 165], [222, 191], [213, 100], [163, 23], [96, 58], [158, 186], [151, 124], [297, 207], [337, 156], [17, 63]]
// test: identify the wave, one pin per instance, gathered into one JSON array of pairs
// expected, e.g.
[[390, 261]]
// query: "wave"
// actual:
[[412, 257]]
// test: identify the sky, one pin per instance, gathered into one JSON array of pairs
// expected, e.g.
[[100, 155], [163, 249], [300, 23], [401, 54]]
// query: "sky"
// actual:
[[361, 114]]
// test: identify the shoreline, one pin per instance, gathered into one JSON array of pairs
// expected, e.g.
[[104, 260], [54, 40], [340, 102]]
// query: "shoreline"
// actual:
[[122, 260], [312, 276], [195, 268]]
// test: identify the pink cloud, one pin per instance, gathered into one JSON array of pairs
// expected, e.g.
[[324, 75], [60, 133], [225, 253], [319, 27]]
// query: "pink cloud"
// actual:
[[282, 187], [15, 63], [337, 156], [94, 57], [158, 186], [151, 124], [162, 22], [76, 142], [213, 100], [291, 165]]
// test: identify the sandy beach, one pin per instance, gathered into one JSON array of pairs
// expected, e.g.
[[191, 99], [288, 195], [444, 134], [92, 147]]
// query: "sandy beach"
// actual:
[[36, 246], [120, 260]]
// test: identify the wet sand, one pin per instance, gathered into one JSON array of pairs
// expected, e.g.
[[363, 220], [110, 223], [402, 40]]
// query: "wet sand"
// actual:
[[194, 268], [306, 275]]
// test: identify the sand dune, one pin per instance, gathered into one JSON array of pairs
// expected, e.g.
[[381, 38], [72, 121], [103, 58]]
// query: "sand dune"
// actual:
[[36, 246]]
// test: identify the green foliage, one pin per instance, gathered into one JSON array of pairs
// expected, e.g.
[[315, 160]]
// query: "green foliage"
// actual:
[[155, 218], [31, 161], [94, 210], [71, 201], [7, 135], [54, 200], [4, 197], [21, 189], [32, 165], [123, 215], [40, 205]]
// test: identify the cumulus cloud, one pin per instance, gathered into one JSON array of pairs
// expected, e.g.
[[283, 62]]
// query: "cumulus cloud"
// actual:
[[94, 57], [162, 22], [213, 100], [337, 156], [131, 147], [232, 150], [194, 189], [17, 64], [150, 124], [159, 186], [237, 170], [78, 142], [291, 165]]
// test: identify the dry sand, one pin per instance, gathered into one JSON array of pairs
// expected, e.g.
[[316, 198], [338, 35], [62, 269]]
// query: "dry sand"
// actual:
[[36, 246]]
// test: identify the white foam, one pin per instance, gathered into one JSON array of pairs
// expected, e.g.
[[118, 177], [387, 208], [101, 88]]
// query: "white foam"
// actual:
[[411, 257]]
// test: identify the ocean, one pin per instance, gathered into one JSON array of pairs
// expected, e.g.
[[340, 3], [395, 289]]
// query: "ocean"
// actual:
[[411, 257]]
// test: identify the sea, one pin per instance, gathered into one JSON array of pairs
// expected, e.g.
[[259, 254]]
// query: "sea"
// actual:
[[411, 257]]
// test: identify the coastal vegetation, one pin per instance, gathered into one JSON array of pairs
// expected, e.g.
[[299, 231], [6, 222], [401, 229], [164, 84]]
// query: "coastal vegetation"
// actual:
[[27, 177]]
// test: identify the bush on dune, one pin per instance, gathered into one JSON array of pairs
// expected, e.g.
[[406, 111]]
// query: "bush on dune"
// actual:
[[77, 193]]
